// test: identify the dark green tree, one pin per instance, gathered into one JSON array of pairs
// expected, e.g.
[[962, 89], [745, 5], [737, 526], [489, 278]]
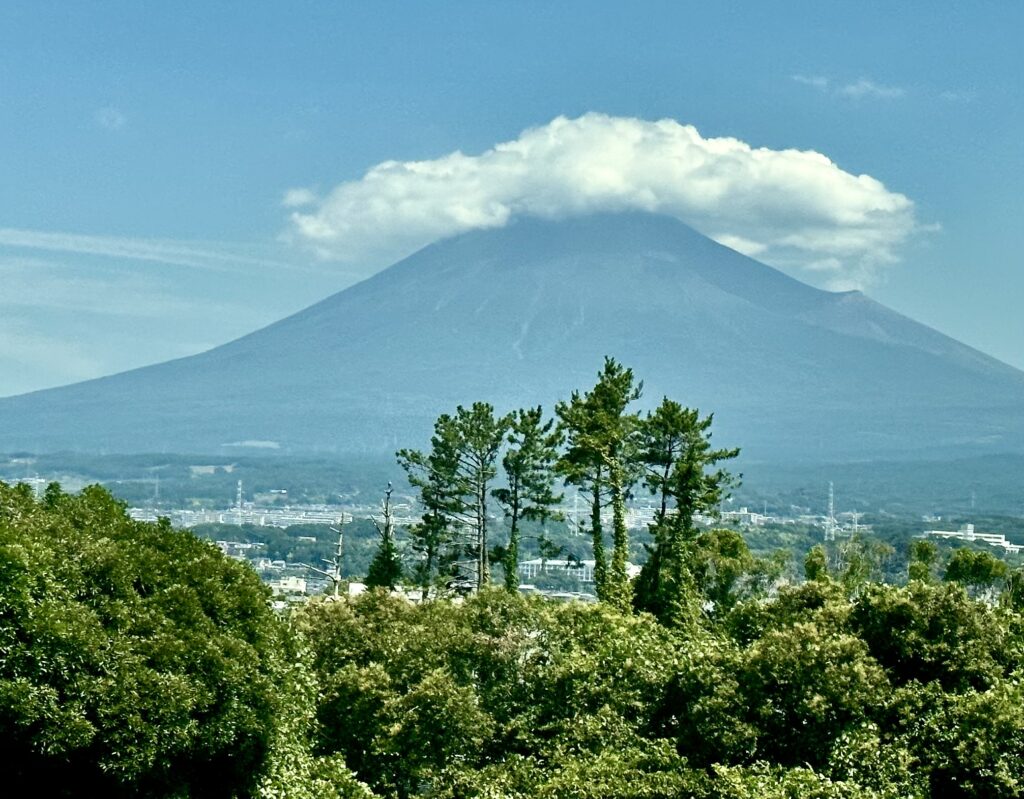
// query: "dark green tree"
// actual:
[[601, 438], [681, 471], [529, 493], [433, 536], [135, 660], [816, 564], [923, 557], [386, 567], [979, 572], [724, 571], [455, 480], [930, 632]]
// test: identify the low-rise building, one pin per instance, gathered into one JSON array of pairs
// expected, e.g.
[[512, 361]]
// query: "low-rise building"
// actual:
[[968, 533]]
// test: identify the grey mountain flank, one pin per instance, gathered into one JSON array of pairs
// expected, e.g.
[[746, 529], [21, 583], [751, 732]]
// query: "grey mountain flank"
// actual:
[[525, 314]]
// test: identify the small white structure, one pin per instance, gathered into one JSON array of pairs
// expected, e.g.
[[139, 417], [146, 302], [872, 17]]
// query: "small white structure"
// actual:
[[288, 585], [968, 533], [581, 569], [744, 517]]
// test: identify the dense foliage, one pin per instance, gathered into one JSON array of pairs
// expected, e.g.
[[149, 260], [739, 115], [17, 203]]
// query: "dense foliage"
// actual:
[[134, 659], [890, 691]]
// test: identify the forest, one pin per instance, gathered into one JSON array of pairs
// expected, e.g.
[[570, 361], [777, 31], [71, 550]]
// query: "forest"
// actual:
[[137, 660]]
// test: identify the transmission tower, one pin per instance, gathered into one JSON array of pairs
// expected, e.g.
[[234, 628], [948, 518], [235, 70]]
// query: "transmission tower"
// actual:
[[238, 504], [830, 521]]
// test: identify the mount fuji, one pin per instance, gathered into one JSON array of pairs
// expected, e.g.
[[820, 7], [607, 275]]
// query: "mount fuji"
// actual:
[[523, 315]]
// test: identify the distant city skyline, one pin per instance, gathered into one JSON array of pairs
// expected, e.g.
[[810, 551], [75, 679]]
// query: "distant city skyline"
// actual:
[[175, 177]]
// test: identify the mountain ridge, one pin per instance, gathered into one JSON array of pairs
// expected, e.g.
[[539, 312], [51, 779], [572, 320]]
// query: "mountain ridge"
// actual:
[[523, 315]]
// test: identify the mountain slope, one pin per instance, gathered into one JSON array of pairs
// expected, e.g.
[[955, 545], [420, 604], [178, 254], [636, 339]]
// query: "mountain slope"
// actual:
[[524, 315]]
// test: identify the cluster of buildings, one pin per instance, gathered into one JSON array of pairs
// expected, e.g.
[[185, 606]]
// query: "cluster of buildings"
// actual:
[[284, 579]]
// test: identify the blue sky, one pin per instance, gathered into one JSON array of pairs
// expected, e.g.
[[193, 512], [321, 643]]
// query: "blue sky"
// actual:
[[147, 150]]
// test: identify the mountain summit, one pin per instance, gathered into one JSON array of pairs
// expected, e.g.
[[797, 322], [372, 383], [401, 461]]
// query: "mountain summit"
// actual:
[[525, 314]]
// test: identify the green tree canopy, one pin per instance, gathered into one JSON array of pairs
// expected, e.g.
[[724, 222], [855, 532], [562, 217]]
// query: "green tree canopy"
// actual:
[[979, 572], [135, 660]]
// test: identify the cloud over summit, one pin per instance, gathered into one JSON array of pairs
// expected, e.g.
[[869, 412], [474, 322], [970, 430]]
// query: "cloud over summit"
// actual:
[[792, 208]]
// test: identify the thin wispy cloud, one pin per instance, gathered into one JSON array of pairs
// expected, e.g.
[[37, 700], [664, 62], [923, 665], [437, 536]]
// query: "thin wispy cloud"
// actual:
[[859, 89], [867, 88], [61, 322], [792, 208], [110, 118], [221, 257], [33, 358], [41, 284], [952, 96], [817, 81]]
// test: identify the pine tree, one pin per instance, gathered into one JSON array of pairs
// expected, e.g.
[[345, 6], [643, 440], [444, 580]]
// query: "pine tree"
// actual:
[[433, 536], [529, 471], [679, 469], [601, 440], [455, 480], [385, 569]]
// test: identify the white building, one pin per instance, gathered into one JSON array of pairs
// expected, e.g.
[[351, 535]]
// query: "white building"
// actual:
[[582, 569], [968, 533]]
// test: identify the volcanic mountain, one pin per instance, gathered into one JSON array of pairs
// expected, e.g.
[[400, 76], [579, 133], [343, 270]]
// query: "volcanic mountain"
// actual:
[[525, 314]]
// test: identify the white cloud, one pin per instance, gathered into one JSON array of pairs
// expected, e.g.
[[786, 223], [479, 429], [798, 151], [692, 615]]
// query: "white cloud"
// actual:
[[110, 118], [866, 88], [740, 244], [792, 208], [817, 81], [296, 198]]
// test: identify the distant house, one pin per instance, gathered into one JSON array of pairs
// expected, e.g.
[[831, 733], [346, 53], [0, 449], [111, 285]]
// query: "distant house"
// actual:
[[288, 585]]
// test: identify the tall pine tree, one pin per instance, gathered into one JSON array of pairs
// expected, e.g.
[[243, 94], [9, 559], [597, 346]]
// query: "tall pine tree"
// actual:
[[457, 475], [601, 437], [681, 470], [529, 473]]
